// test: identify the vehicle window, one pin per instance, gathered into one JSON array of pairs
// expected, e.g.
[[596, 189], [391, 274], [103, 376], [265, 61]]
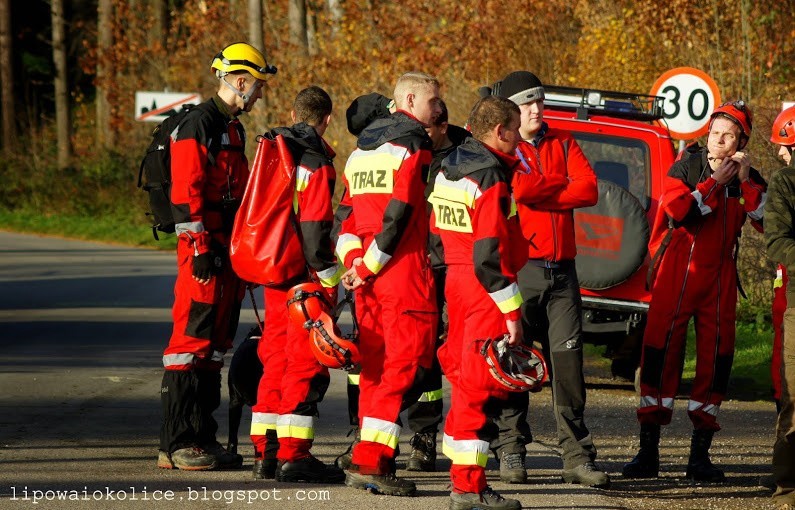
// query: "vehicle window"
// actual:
[[623, 161]]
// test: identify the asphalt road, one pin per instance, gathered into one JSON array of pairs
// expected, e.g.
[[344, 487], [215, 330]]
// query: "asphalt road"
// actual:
[[82, 328]]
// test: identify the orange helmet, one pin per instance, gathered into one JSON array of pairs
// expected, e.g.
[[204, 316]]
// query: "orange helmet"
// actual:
[[306, 302], [329, 346], [518, 368], [784, 128], [740, 113]]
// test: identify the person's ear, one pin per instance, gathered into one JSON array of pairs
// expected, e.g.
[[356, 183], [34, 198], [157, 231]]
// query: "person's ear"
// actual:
[[443, 128], [327, 120], [292, 115], [410, 100]]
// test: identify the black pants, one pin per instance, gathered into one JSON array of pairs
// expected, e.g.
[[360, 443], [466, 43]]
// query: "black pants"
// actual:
[[552, 315], [188, 399]]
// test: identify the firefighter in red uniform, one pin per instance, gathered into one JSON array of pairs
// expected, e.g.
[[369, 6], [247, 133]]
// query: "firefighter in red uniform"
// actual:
[[293, 381], [384, 243], [205, 194], [483, 249], [706, 199]]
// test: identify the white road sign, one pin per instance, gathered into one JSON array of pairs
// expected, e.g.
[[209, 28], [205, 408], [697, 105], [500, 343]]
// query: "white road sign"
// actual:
[[690, 97], [157, 106]]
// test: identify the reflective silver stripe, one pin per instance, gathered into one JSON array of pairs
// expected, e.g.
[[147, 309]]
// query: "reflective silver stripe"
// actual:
[[375, 259], [296, 426], [646, 401], [463, 191], [346, 243], [466, 452], [193, 227], [507, 299], [171, 360], [705, 209], [302, 177], [217, 356], [759, 212], [262, 422], [711, 409], [380, 431], [330, 277]]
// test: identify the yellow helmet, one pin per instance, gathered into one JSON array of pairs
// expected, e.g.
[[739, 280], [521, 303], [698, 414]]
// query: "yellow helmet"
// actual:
[[242, 57]]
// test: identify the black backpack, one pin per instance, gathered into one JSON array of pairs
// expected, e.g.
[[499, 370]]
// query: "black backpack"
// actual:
[[154, 175]]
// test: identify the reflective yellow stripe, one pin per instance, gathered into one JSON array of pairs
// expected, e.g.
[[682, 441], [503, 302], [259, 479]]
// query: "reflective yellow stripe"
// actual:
[[431, 396], [375, 259], [331, 277], [353, 379], [262, 422], [462, 191], [507, 299], [347, 243], [466, 452], [380, 431], [293, 425], [513, 208]]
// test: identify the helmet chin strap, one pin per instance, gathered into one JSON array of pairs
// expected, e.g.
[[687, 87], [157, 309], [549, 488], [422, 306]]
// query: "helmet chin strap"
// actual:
[[245, 96]]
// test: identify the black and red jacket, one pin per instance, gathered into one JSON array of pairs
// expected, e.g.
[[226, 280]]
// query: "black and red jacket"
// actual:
[[564, 181], [209, 172], [315, 179], [476, 218], [385, 179]]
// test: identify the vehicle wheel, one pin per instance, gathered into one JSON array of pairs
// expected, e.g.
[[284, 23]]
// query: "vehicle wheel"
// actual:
[[612, 238]]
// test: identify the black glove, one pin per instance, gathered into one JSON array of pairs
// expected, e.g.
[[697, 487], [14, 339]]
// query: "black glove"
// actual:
[[206, 265]]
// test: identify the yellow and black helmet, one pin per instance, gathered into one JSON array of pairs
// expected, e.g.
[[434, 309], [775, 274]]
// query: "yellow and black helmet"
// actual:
[[242, 57]]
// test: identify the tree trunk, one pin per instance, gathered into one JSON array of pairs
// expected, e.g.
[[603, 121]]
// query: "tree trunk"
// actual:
[[62, 121], [105, 134], [6, 79], [160, 26], [255, 35], [296, 16], [335, 13]]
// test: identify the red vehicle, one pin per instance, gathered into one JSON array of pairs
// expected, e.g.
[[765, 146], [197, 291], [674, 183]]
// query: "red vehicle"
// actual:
[[631, 151]]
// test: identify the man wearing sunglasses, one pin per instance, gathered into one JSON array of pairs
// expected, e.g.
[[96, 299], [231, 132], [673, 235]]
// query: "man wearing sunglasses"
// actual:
[[707, 196]]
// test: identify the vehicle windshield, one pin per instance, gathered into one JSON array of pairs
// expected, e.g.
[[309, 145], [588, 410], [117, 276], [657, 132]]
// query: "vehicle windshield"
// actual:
[[623, 161]]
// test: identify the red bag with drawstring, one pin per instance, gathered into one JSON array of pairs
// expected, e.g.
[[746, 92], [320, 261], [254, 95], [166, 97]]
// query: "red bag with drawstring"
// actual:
[[265, 247]]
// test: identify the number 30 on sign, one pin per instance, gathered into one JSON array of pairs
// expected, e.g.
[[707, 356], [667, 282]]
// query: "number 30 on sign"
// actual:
[[690, 97]]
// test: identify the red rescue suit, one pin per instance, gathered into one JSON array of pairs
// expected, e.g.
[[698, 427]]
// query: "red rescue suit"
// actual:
[[205, 194], [384, 221], [475, 216], [696, 277], [293, 381]]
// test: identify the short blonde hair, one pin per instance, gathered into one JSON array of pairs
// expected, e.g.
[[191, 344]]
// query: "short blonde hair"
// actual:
[[409, 83]]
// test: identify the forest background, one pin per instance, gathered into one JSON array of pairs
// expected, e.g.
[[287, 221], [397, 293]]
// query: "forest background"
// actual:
[[69, 72]]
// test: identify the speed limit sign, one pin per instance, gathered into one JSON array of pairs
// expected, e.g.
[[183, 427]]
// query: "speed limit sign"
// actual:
[[690, 96]]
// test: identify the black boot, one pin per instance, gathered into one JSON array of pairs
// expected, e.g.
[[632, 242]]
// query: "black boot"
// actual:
[[699, 467], [423, 453], [646, 463]]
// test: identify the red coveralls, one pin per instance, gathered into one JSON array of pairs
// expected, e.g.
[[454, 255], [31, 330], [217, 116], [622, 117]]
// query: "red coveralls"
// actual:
[[779, 307], [384, 221], [205, 316], [474, 213], [697, 277], [293, 381]]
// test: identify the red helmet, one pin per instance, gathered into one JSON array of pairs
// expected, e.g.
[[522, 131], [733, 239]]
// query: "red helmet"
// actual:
[[518, 367], [329, 346], [784, 128], [737, 111], [306, 302]]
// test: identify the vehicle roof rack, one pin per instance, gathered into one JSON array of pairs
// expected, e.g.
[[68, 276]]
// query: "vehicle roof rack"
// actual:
[[605, 102]]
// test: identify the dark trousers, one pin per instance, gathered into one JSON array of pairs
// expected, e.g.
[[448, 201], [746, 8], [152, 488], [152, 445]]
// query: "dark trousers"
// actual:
[[784, 448], [552, 315], [188, 399]]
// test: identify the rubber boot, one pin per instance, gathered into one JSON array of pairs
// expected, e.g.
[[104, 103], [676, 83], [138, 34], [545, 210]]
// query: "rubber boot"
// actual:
[[699, 467], [646, 463]]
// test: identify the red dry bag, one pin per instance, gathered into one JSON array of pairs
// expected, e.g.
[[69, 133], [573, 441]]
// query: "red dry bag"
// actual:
[[265, 247]]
